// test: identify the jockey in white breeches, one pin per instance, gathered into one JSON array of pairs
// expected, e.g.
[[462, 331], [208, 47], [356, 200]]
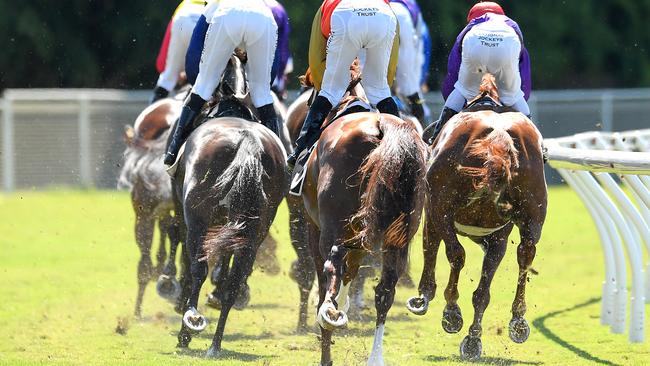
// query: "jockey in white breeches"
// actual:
[[171, 59], [249, 25], [341, 29]]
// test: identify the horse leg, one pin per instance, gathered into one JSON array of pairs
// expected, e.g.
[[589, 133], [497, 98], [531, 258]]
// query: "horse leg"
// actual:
[[185, 281], [163, 227], [332, 314], [495, 247], [326, 334], [530, 235], [241, 269], [219, 278], [144, 225], [173, 231], [452, 319], [367, 270], [193, 321], [394, 264], [427, 288], [302, 270]]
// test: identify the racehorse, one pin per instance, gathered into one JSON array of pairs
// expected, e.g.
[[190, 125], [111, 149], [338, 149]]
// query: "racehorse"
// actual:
[[144, 175], [363, 191], [486, 176], [227, 187]]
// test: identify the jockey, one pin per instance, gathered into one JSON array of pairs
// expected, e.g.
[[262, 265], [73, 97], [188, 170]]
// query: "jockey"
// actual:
[[224, 26], [341, 28], [410, 54], [282, 64], [171, 58], [490, 43]]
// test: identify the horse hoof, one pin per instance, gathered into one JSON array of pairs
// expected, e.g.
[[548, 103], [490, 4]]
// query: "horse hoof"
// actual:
[[330, 318], [243, 298], [194, 321], [213, 352], [418, 305], [168, 288], [519, 330], [213, 302], [452, 319], [327, 363], [471, 348]]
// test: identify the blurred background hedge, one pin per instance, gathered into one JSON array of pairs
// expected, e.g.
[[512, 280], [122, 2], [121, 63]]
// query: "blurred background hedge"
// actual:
[[113, 43]]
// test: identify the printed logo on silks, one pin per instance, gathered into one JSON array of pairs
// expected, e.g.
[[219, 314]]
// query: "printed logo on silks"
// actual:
[[365, 12], [490, 39]]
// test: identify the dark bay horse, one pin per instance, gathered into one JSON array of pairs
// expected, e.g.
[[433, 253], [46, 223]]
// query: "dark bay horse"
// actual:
[[486, 175], [363, 191], [143, 174], [227, 188]]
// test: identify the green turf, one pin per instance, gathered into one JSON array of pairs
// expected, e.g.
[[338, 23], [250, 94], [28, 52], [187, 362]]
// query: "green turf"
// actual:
[[68, 262]]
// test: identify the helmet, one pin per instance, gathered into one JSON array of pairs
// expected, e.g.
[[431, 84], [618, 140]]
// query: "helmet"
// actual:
[[483, 7]]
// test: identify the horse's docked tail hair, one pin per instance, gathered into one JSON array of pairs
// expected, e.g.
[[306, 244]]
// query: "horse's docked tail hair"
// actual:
[[241, 186], [499, 156], [394, 177]]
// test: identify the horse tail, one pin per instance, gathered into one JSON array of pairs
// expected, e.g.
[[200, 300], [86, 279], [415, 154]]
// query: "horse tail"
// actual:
[[142, 165], [498, 154], [240, 186], [394, 176]]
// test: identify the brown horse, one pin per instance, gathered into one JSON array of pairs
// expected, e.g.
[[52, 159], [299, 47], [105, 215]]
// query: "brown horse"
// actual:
[[486, 175], [143, 174], [363, 191], [227, 187]]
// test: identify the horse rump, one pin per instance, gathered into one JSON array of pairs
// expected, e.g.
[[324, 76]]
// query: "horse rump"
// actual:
[[241, 186], [394, 177], [498, 155]]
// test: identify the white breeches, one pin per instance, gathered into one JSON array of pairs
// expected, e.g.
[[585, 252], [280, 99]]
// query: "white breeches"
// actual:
[[409, 64], [356, 25], [251, 28], [181, 33], [491, 47]]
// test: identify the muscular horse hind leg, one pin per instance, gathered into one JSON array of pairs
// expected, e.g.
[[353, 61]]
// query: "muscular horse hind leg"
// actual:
[[431, 243], [519, 329], [330, 314], [193, 321], [302, 270], [495, 245], [393, 266], [144, 226], [452, 319]]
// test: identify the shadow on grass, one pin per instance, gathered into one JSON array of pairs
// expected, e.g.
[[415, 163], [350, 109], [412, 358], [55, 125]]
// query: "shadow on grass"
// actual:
[[235, 336], [539, 324], [224, 355], [482, 360]]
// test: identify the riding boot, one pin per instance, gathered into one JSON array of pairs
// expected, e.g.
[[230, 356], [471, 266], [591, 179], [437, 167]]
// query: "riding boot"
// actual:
[[310, 131], [417, 110], [269, 118], [181, 131], [158, 94], [430, 133], [388, 106]]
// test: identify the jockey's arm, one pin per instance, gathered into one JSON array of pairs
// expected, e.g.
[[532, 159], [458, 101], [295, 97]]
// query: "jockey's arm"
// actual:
[[161, 60], [282, 52]]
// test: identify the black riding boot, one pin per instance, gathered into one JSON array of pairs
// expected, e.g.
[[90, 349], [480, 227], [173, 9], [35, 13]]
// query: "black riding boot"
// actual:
[[158, 94], [269, 118], [430, 133], [417, 110], [310, 131], [183, 127], [389, 106]]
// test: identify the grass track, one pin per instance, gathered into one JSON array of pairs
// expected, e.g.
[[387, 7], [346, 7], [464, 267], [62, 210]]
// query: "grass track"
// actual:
[[68, 261]]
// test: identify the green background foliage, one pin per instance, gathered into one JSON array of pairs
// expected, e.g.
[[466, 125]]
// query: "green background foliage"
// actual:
[[113, 43]]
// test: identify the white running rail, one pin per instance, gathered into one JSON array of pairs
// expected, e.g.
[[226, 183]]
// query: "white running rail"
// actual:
[[589, 163]]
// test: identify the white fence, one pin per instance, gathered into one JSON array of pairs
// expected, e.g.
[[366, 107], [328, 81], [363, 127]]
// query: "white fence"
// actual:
[[73, 137], [592, 164]]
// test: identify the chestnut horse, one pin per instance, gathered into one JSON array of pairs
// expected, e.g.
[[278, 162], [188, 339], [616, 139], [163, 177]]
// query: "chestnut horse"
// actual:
[[227, 188], [143, 174], [363, 191], [486, 176]]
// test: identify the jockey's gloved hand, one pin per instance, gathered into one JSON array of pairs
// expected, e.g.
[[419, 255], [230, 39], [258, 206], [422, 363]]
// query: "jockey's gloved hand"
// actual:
[[389, 106], [416, 106], [158, 94]]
